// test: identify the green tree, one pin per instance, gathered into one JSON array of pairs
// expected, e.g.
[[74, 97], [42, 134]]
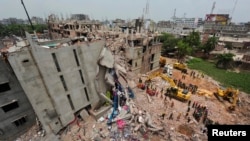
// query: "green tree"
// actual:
[[18, 29], [225, 60], [169, 42], [183, 49], [210, 44], [193, 39]]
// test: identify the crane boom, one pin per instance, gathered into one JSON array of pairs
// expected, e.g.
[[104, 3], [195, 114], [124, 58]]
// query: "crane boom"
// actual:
[[212, 10]]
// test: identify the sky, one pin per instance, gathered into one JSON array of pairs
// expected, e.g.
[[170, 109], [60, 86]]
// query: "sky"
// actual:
[[126, 9]]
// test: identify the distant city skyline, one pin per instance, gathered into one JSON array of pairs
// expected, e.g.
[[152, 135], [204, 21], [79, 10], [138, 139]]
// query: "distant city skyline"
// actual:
[[126, 9]]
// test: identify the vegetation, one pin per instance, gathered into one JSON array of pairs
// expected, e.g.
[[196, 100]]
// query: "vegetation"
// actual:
[[193, 39], [226, 78], [183, 50], [225, 60], [169, 42], [210, 45], [18, 29], [184, 46]]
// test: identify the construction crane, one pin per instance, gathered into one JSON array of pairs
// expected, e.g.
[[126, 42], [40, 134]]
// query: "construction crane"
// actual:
[[27, 15], [174, 16], [212, 10], [234, 9]]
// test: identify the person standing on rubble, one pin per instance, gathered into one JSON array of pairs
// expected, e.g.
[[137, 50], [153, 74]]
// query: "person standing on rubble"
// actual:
[[189, 102], [179, 116], [171, 116], [162, 116], [172, 104]]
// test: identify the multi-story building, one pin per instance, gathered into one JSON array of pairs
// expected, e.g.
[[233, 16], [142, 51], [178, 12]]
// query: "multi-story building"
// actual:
[[143, 53], [178, 30], [37, 20], [144, 49], [79, 17], [219, 24], [16, 113], [59, 78], [188, 22], [12, 21], [71, 28]]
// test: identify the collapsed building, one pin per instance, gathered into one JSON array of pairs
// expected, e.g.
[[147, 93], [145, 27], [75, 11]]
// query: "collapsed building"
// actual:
[[58, 80], [69, 77], [71, 28]]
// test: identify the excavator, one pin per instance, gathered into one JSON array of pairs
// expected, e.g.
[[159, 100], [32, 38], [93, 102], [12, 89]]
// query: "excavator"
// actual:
[[230, 94], [174, 91], [180, 66], [152, 75]]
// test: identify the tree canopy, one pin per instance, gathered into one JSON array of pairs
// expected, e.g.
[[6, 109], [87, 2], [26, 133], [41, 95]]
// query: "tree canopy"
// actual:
[[183, 49], [210, 44], [18, 29], [169, 42], [193, 39], [225, 60]]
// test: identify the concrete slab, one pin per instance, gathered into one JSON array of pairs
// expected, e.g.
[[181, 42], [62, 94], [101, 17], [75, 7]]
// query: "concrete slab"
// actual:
[[106, 58], [84, 114], [97, 114]]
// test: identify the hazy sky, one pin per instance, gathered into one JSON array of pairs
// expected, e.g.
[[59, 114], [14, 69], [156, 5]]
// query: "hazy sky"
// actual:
[[125, 9]]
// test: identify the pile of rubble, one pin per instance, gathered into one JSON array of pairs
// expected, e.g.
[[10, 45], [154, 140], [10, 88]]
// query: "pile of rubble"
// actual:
[[143, 117], [35, 133]]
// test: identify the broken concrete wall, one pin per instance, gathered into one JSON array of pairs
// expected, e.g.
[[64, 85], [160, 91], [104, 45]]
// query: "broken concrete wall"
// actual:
[[61, 82], [89, 56], [135, 54], [32, 83]]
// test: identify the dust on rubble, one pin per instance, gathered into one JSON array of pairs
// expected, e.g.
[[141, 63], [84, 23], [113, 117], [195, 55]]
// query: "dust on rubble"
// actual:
[[176, 117], [178, 120]]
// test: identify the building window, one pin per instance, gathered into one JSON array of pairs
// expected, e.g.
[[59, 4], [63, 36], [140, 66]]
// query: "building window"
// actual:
[[151, 66], [135, 64], [87, 95], [25, 61], [4, 87], [144, 49], [80, 71], [20, 121], [11, 106], [152, 57], [64, 83], [56, 62], [76, 58], [70, 102]]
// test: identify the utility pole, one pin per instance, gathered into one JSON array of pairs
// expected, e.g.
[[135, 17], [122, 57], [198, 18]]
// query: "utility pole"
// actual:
[[28, 16]]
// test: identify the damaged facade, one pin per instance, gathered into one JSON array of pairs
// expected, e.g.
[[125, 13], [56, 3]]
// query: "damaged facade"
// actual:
[[69, 77], [60, 80], [71, 28], [144, 52], [142, 48], [17, 115]]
